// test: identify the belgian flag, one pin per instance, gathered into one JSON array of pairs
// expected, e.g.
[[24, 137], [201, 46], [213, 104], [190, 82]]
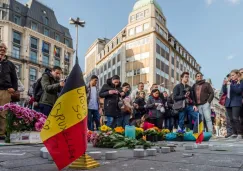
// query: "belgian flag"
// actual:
[[65, 131], [198, 129]]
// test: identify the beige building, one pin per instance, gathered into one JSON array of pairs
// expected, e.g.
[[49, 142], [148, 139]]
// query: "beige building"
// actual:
[[34, 39], [143, 51]]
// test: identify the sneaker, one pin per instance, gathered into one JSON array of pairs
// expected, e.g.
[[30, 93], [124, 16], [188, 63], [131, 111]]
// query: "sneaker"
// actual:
[[228, 135], [232, 136], [239, 137]]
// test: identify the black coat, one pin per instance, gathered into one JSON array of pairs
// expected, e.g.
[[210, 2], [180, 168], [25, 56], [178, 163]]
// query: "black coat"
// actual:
[[8, 76], [111, 100], [141, 106], [179, 93]]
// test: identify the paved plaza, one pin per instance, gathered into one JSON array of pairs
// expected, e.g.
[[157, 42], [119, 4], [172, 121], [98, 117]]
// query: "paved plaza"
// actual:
[[27, 158]]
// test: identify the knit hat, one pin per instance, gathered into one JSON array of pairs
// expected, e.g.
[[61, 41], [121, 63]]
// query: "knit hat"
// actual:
[[115, 77]]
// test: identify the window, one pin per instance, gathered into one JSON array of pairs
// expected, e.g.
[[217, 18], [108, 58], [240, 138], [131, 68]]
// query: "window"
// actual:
[[146, 26], [157, 27], [16, 37], [45, 48], [139, 15], [114, 61], [157, 48], [161, 32], [105, 67], [118, 70], [46, 32], [67, 57], [33, 74], [2, 14], [33, 56], [113, 72], [33, 26], [156, 14], [57, 62], [132, 18], [172, 60], [139, 29], [17, 19], [131, 32], [109, 75], [146, 13], [177, 76], [46, 20], [45, 60], [172, 73], [57, 37], [157, 63], [18, 70], [118, 58], [109, 64], [57, 52], [16, 51], [33, 42], [66, 41]]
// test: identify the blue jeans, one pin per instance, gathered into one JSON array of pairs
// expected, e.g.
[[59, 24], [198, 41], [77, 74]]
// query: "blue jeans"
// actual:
[[45, 109], [187, 111], [169, 123], [205, 111], [93, 116], [123, 120], [109, 121]]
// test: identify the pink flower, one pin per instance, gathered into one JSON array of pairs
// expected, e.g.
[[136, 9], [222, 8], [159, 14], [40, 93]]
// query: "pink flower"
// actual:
[[38, 126], [6, 106], [1, 108]]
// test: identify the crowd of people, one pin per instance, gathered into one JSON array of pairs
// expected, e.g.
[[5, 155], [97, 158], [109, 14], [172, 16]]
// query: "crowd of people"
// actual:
[[123, 106], [117, 105]]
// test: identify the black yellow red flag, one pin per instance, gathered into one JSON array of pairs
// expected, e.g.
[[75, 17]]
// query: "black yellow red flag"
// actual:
[[65, 131]]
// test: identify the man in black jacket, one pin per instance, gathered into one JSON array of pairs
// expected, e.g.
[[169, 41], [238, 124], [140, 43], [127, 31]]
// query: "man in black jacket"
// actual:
[[111, 92], [183, 92], [8, 85]]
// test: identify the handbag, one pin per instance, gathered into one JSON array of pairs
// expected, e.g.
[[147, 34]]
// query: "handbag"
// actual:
[[179, 105], [223, 99], [123, 107], [15, 97]]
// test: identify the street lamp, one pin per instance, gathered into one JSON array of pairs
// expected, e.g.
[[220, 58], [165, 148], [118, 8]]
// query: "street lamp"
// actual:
[[77, 23]]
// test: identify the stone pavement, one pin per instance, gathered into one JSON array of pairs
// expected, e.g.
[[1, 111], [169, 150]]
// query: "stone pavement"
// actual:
[[27, 158]]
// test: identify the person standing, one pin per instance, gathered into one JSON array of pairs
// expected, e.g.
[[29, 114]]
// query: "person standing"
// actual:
[[203, 95], [183, 93], [135, 92], [8, 85], [217, 125], [93, 103], [111, 92], [139, 105], [169, 120], [156, 108], [229, 129], [126, 109], [233, 104], [51, 86]]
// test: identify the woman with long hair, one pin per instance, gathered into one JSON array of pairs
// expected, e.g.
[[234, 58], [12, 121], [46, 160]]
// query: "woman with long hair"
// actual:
[[233, 104], [156, 108]]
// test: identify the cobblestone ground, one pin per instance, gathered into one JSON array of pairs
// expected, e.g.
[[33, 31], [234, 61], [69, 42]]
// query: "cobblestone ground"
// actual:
[[27, 158]]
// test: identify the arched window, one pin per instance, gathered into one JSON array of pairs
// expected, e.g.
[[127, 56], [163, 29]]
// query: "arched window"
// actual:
[[46, 20]]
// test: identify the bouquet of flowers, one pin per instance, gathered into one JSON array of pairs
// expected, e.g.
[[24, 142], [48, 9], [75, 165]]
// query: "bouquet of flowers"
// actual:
[[89, 134], [105, 128], [139, 132], [22, 119], [119, 130]]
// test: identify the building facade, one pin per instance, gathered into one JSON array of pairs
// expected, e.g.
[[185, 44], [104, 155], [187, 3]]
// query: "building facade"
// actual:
[[34, 39], [143, 51]]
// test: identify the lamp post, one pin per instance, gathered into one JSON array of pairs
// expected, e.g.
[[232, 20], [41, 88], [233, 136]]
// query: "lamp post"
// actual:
[[77, 23]]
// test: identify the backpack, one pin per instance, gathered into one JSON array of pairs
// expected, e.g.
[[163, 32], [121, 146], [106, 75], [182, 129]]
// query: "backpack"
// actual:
[[37, 90]]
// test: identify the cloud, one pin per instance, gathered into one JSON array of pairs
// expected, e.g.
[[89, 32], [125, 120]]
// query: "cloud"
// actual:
[[209, 2], [234, 2], [230, 57]]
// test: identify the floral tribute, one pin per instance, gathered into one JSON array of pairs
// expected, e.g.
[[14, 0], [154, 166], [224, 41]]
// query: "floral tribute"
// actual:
[[22, 119]]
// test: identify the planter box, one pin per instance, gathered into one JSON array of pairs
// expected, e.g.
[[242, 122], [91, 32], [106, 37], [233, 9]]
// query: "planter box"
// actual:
[[25, 137]]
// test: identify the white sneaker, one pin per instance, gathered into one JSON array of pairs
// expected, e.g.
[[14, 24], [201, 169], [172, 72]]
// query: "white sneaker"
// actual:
[[232, 136], [239, 137]]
